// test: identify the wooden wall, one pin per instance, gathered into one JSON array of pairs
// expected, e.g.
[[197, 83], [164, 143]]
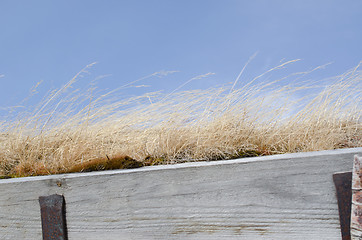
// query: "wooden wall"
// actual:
[[290, 196]]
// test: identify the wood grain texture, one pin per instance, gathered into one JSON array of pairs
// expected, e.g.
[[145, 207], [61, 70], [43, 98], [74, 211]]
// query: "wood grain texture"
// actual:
[[289, 196]]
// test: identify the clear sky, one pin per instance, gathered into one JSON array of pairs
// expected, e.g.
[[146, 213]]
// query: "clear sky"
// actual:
[[50, 41]]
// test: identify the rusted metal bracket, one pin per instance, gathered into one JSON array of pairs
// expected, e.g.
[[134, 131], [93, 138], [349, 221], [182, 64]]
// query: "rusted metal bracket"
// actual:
[[343, 183], [349, 196], [52, 209], [356, 209]]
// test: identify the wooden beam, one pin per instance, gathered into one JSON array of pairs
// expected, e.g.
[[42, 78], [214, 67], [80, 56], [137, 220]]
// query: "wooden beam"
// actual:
[[290, 196]]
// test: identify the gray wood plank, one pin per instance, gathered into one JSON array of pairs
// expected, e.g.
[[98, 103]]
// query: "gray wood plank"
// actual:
[[290, 196]]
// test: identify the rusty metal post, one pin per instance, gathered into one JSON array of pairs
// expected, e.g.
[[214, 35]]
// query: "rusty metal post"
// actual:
[[356, 213], [343, 181], [53, 222]]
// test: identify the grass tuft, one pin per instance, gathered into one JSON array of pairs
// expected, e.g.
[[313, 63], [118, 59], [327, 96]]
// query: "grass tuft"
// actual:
[[72, 131]]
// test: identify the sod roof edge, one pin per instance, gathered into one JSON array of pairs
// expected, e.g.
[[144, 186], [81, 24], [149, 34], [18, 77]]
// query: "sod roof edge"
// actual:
[[189, 165]]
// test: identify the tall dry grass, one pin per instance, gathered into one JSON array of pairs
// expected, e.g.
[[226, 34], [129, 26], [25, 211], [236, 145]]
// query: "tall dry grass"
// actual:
[[258, 118]]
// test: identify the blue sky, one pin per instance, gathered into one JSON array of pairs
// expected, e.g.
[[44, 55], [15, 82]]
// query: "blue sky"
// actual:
[[50, 41]]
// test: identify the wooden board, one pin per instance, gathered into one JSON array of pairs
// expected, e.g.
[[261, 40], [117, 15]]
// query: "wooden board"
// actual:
[[289, 196]]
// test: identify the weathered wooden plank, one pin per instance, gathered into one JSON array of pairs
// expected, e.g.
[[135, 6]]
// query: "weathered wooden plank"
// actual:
[[289, 196], [356, 211]]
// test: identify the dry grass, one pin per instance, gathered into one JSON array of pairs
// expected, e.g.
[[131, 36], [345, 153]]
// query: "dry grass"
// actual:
[[70, 128]]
